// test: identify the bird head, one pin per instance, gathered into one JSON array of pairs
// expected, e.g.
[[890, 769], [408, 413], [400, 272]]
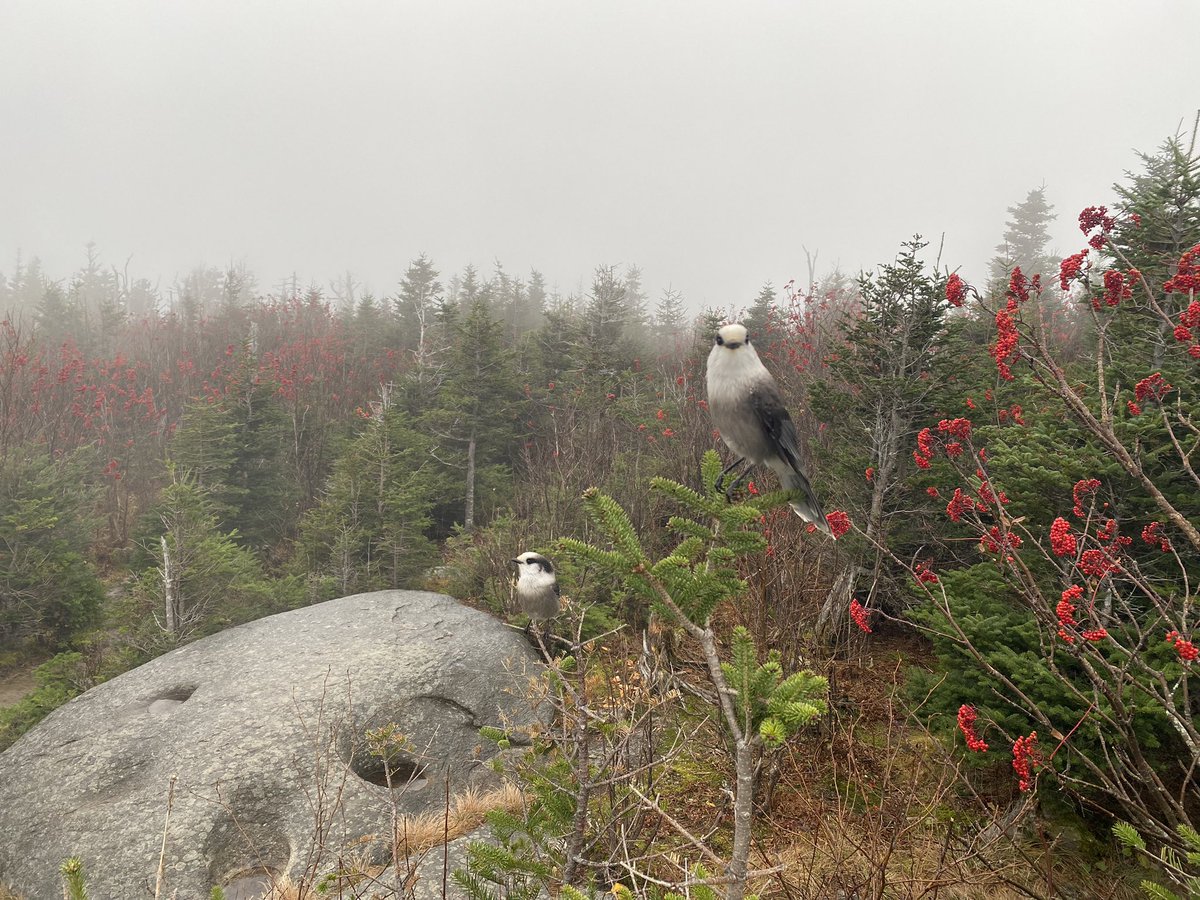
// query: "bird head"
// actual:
[[733, 337], [532, 563]]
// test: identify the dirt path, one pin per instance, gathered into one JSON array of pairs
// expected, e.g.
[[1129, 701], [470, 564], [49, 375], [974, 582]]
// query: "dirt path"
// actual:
[[15, 685]]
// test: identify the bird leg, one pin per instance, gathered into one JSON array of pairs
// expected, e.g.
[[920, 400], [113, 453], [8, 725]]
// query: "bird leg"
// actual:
[[734, 485], [725, 471]]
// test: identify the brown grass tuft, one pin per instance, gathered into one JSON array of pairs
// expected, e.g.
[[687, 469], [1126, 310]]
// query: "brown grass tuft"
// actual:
[[416, 834]]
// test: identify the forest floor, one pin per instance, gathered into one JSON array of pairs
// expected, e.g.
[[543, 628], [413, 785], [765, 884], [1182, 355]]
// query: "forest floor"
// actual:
[[16, 684]]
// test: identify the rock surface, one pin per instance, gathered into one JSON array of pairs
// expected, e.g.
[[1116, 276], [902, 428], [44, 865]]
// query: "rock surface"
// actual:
[[262, 727]]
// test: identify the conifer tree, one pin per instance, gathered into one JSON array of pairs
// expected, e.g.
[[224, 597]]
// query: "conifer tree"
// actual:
[[1026, 241], [759, 314], [370, 529], [48, 587], [201, 579], [669, 315], [417, 306], [473, 417], [884, 389]]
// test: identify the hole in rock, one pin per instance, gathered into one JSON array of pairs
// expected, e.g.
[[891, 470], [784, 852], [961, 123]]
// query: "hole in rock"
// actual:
[[404, 771], [168, 700], [250, 884]]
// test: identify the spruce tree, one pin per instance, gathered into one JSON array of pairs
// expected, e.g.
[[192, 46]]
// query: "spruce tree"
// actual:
[[759, 314], [473, 417], [669, 316], [370, 530], [1026, 241]]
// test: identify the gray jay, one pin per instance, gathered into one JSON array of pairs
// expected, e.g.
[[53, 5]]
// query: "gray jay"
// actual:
[[747, 409], [537, 588]]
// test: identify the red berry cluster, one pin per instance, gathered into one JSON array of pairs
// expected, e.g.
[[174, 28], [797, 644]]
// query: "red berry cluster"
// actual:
[[1082, 488], [860, 615], [1186, 279], [924, 574], [1186, 649], [839, 522], [1062, 542], [956, 290], [1152, 534], [1117, 287], [1005, 347], [924, 451], [959, 504], [1070, 269], [1098, 564], [1096, 217], [1025, 759], [1152, 387], [995, 541], [966, 724]]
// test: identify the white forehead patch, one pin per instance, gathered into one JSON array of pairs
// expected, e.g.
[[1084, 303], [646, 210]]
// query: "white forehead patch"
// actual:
[[733, 334]]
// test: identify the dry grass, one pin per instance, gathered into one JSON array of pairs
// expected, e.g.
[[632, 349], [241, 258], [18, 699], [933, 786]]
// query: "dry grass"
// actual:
[[416, 834], [6, 894]]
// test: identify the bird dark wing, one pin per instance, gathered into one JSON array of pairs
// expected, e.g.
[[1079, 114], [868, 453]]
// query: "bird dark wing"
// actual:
[[780, 433], [776, 423]]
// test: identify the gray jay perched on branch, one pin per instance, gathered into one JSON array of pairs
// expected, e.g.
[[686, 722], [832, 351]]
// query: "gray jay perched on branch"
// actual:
[[747, 409], [537, 588]]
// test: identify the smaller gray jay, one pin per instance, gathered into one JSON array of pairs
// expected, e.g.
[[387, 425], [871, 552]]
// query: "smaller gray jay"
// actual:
[[748, 410], [537, 588]]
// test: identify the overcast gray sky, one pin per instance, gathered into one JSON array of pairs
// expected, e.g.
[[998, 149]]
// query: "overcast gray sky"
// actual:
[[708, 142]]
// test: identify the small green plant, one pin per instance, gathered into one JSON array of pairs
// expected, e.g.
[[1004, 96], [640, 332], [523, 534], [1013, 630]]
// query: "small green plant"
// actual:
[[1180, 871], [74, 887]]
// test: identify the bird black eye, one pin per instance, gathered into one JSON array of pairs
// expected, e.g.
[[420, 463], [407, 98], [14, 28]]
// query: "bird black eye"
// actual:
[[720, 340]]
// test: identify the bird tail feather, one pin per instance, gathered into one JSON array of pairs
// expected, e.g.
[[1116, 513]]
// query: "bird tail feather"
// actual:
[[804, 502]]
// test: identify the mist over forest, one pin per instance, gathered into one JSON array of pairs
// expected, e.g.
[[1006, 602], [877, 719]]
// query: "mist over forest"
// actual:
[[474, 267]]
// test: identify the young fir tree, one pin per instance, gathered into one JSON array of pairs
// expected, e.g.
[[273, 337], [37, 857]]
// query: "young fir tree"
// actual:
[[883, 392], [48, 587], [473, 417], [202, 579], [758, 705], [637, 317], [417, 305], [233, 448], [604, 322], [1158, 221], [370, 529], [759, 313], [669, 317]]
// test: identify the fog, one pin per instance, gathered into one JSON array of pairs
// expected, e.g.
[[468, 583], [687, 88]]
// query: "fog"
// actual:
[[709, 143]]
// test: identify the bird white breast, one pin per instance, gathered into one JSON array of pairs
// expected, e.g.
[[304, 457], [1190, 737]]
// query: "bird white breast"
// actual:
[[732, 374], [534, 580]]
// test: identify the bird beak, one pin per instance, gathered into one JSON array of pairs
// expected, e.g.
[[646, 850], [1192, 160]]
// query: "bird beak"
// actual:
[[514, 562]]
